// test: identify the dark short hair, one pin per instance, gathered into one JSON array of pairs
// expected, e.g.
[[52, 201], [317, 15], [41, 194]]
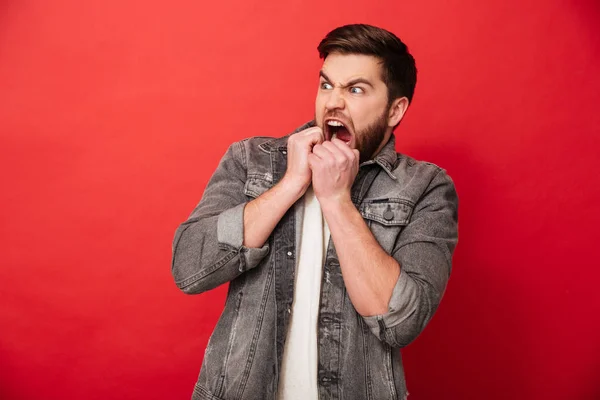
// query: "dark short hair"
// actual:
[[399, 71]]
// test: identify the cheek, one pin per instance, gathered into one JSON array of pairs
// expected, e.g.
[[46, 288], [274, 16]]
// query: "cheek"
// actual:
[[359, 117], [365, 116]]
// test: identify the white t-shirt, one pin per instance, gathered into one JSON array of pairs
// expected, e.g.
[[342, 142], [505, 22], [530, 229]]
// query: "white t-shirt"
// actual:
[[298, 378]]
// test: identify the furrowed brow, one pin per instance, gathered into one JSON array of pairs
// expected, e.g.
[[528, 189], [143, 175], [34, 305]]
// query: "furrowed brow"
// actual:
[[359, 80], [351, 83], [322, 75]]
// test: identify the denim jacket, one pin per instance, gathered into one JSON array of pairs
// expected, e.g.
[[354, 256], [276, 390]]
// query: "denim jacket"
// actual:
[[410, 206]]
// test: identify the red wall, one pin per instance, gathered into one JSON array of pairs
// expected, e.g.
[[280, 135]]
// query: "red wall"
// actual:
[[113, 115]]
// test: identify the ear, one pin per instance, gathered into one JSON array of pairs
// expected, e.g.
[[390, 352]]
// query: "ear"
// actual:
[[397, 110]]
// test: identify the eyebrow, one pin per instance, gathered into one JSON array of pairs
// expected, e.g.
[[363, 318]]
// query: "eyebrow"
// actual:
[[351, 83]]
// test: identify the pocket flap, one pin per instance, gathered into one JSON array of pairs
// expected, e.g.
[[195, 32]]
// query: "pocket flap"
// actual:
[[388, 212], [257, 185]]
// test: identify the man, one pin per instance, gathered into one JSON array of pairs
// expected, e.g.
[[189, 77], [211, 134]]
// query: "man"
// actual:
[[336, 248]]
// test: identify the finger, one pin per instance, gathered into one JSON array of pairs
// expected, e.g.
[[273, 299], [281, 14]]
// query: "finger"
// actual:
[[343, 147], [319, 136], [340, 156], [313, 161], [309, 134], [314, 134], [309, 131], [310, 139], [353, 154], [305, 140], [321, 151]]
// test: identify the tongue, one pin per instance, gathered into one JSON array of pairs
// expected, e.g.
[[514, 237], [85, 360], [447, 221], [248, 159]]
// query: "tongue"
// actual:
[[343, 134]]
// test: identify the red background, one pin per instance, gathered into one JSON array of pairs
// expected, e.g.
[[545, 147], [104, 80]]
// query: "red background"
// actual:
[[113, 115]]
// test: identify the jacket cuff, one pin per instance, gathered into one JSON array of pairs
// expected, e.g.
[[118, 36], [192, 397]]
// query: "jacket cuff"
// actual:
[[402, 305], [230, 233]]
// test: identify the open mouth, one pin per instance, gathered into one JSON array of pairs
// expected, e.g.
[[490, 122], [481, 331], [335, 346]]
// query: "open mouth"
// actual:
[[337, 129]]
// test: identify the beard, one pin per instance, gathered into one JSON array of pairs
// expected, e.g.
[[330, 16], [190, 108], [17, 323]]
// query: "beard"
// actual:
[[369, 139]]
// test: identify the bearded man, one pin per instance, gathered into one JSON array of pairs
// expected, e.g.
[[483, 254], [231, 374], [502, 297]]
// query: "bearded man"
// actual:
[[337, 249]]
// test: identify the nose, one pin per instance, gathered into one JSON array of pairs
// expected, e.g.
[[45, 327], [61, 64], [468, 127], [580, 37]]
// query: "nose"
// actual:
[[335, 100]]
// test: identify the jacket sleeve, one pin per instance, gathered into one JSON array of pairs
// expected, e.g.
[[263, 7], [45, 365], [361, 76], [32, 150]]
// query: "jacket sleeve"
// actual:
[[424, 251], [208, 248]]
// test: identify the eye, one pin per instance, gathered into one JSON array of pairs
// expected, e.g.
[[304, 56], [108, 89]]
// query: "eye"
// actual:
[[326, 85], [356, 90]]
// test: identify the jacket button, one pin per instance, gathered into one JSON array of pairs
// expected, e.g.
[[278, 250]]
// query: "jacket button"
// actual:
[[388, 215], [289, 253]]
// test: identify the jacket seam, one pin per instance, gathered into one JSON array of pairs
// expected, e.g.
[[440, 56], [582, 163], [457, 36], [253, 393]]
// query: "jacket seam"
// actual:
[[367, 369], [255, 337], [207, 271]]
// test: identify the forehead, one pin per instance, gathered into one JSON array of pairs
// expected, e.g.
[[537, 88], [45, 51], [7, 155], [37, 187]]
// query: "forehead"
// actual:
[[345, 67]]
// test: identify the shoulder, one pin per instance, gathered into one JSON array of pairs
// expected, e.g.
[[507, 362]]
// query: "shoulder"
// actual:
[[257, 148], [412, 180], [409, 169]]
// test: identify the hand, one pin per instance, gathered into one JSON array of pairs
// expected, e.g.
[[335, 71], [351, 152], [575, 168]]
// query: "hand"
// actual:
[[298, 174], [334, 167]]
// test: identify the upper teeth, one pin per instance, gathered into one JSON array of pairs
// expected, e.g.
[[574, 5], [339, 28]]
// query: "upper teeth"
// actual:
[[334, 123]]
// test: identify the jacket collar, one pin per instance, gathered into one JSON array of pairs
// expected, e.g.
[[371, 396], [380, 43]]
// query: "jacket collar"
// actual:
[[386, 158]]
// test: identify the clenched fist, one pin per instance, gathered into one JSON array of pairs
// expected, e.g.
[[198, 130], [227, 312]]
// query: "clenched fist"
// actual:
[[298, 174], [334, 167]]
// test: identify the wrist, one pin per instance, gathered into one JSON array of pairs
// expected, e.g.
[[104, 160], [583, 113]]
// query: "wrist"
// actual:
[[292, 187], [336, 204]]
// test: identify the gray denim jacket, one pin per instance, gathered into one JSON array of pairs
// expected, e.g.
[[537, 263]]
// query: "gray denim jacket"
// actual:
[[411, 208]]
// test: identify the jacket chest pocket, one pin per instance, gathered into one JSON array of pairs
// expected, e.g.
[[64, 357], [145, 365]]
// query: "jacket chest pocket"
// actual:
[[257, 184], [386, 218]]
